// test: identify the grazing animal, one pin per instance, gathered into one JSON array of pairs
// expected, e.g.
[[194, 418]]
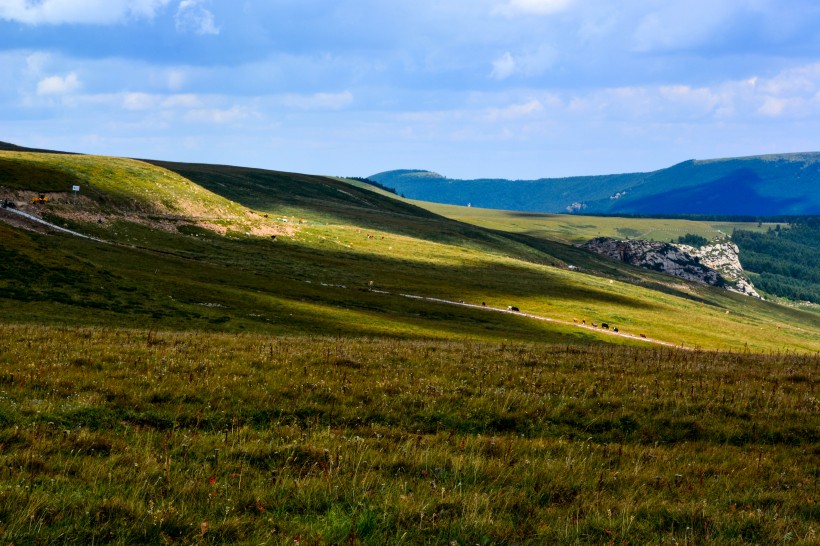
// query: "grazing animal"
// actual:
[[605, 325], [575, 320], [484, 303], [643, 336], [594, 325], [584, 321], [615, 329], [513, 308]]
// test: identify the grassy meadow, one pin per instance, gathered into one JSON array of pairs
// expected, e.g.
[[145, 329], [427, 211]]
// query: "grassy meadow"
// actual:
[[194, 380], [573, 228], [116, 436]]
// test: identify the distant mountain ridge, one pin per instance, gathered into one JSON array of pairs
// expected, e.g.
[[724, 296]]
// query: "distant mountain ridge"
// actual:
[[766, 185]]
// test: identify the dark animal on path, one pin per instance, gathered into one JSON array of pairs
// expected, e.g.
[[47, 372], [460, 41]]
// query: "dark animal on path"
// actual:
[[513, 309], [484, 303], [615, 329], [643, 336], [584, 321], [594, 325], [605, 325]]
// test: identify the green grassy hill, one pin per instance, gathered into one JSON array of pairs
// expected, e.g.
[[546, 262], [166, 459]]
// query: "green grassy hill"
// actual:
[[192, 250]]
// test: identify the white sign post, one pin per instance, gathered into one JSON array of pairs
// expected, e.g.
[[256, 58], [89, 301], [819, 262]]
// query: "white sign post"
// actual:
[[76, 190]]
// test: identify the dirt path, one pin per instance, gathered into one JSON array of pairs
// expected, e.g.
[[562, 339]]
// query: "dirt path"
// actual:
[[537, 317], [49, 225]]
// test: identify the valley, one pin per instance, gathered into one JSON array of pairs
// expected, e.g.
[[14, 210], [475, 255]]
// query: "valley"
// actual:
[[240, 355]]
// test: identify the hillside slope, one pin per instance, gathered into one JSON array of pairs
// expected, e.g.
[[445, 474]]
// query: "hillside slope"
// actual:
[[342, 264], [784, 184]]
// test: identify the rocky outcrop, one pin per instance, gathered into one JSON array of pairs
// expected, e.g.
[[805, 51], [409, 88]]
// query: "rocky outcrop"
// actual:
[[724, 257], [716, 264], [661, 257]]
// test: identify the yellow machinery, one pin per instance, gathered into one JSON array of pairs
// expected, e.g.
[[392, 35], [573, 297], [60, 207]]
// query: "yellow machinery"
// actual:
[[42, 198]]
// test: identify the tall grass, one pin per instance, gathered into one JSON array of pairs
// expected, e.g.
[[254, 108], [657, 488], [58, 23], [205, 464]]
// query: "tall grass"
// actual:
[[126, 436]]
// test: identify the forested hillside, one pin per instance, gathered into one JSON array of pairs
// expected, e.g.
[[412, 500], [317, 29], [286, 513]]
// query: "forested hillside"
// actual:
[[784, 262], [766, 185]]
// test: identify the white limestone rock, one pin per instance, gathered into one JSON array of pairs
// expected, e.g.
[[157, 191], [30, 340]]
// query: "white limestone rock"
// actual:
[[716, 264]]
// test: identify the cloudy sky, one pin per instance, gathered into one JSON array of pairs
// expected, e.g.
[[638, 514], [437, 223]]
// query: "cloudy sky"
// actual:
[[467, 88]]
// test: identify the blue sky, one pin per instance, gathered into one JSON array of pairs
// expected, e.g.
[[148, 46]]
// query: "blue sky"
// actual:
[[467, 88]]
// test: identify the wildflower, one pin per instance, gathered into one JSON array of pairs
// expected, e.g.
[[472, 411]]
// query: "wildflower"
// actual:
[[211, 480]]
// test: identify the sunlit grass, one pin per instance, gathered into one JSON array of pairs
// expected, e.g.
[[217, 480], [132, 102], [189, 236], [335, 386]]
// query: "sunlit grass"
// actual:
[[578, 228], [133, 436]]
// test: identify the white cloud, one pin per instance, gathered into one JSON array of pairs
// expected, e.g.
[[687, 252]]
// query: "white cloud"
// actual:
[[681, 25], [175, 79], [772, 107], [36, 62], [55, 12], [182, 101], [802, 80], [527, 64], [536, 7], [792, 94], [319, 101], [503, 67], [59, 85], [139, 101], [193, 17], [147, 101], [516, 111], [684, 99], [218, 116]]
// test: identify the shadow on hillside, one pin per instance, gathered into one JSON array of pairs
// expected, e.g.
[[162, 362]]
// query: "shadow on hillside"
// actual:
[[332, 201], [354, 268], [283, 287]]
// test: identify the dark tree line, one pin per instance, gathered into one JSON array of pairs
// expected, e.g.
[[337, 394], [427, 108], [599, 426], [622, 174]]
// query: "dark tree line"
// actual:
[[693, 240], [784, 262]]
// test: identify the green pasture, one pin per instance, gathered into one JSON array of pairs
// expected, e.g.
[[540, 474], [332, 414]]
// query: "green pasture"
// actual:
[[151, 437], [572, 228]]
